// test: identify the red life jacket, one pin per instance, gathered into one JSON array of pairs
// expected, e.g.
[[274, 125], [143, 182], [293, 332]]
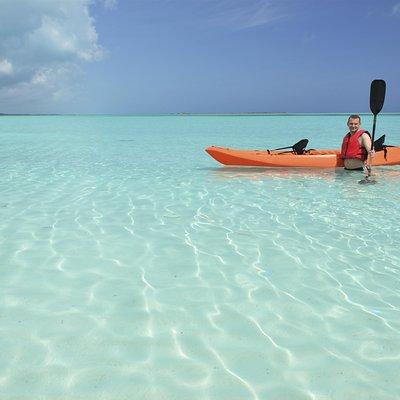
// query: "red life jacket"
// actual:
[[351, 147]]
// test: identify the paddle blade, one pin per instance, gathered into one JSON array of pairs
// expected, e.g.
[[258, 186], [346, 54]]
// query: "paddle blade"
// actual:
[[377, 95], [367, 181]]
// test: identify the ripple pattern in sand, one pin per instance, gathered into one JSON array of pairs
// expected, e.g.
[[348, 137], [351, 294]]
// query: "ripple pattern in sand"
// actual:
[[121, 283]]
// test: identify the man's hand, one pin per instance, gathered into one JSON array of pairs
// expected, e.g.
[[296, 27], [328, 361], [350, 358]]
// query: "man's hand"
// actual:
[[371, 153]]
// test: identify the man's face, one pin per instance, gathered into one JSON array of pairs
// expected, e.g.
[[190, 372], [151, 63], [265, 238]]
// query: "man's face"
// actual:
[[353, 124]]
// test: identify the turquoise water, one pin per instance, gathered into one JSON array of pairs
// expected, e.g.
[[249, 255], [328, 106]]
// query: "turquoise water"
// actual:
[[133, 266]]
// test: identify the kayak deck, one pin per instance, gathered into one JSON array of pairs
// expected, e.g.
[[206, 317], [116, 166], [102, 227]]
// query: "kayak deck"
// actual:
[[310, 159]]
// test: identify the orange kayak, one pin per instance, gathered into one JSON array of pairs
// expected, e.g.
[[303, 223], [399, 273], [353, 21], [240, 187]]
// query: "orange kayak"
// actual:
[[311, 158]]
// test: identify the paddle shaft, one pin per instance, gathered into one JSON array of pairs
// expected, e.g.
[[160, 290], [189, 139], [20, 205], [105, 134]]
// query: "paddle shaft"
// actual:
[[367, 168], [373, 132], [283, 148]]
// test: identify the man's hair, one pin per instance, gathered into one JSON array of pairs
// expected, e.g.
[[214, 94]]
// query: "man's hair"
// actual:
[[354, 116]]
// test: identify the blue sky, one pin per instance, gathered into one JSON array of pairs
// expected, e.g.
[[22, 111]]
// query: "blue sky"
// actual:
[[199, 56]]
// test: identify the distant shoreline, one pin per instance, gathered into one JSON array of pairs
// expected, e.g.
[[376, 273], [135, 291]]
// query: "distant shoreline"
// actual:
[[182, 114]]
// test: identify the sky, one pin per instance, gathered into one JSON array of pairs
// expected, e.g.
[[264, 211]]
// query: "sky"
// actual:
[[197, 56]]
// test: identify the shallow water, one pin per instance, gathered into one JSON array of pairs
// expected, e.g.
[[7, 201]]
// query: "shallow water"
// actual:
[[132, 265]]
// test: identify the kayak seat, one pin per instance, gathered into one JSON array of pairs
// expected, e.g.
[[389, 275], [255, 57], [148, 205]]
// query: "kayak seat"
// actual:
[[300, 147], [297, 148], [380, 146], [378, 143]]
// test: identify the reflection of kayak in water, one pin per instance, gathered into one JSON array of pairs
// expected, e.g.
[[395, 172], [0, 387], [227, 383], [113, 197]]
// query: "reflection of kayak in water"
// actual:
[[291, 159]]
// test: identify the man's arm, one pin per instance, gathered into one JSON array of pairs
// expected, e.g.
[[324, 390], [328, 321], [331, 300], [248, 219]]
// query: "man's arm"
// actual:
[[366, 142]]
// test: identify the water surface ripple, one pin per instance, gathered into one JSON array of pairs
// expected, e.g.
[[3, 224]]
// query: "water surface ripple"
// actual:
[[134, 266]]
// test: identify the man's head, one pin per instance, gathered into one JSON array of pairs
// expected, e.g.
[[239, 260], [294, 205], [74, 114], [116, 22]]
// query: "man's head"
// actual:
[[354, 123]]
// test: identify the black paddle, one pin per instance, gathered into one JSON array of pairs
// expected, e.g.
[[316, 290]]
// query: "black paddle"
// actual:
[[376, 100], [298, 147]]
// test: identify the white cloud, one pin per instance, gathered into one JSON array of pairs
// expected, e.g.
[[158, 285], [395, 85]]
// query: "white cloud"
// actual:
[[40, 78], [396, 9], [241, 14], [46, 88], [43, 44], [6, 67], [110, 4]]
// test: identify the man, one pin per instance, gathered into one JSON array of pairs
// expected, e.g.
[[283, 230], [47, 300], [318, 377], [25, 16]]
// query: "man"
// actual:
[[356, 145]]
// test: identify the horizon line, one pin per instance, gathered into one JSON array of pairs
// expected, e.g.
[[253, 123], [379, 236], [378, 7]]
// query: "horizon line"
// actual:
[[188, 114]]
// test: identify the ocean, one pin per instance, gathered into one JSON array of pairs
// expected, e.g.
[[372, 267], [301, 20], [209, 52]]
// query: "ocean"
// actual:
[[134, 266]]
